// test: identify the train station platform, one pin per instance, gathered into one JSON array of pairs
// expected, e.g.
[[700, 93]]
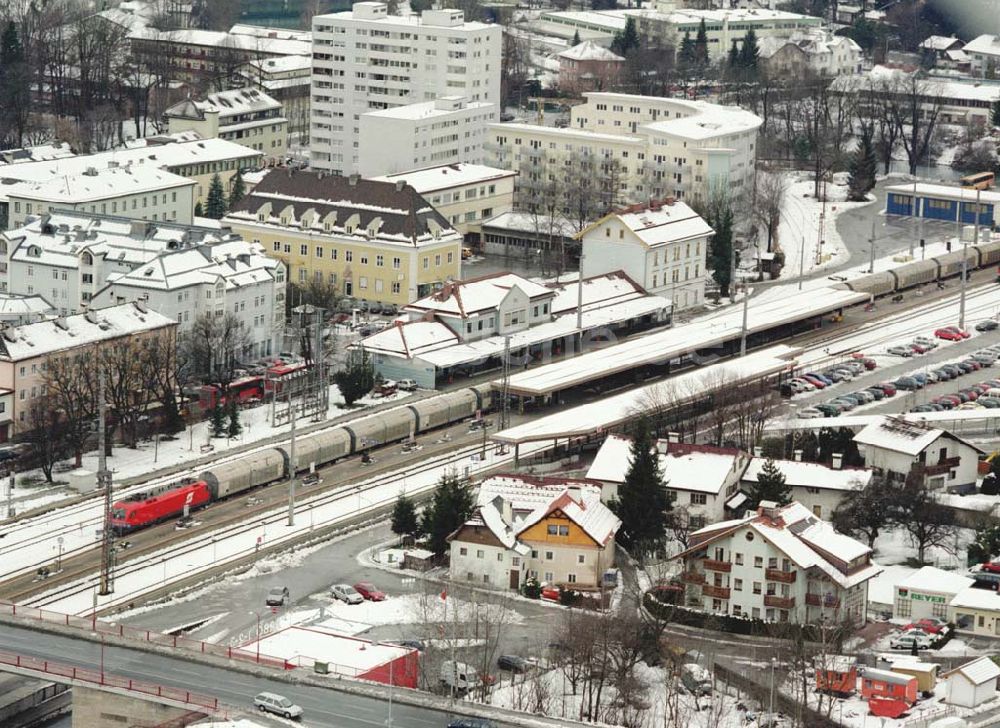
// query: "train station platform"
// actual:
[[715, 334]]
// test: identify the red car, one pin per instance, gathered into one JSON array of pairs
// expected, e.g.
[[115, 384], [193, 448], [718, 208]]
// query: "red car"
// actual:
[[991, 566], [930, 625], [888, 387], [369, 591], [551, 591], [949, 334]]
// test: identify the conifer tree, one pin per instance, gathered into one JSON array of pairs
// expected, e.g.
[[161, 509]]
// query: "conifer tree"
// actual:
[[576, 37], [404, 517], [215, 203], [733, 59], [770, 486], [235, 427], [643, 500], [357, 378], [701, 45], [862, 168], [218, 421], [750, 52], [685, 56], [238, 190], [450, 507]]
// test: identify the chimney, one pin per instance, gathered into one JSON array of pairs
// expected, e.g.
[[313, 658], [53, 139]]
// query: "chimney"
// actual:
[[768, 509], [798, 455], [353, 179], [758, 451], [674, 437], [400, 184], [838, 460], [662, 446]]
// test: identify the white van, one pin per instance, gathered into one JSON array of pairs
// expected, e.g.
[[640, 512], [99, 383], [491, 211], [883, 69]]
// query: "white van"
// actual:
[[459, 676], [277, 704]]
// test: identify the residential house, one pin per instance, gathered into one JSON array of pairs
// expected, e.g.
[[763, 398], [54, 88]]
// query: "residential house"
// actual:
[[703, 480], [469, 326], [374, 241], [447, 130], [984, 55], [244, 116], [589, 67], [816, 53], [25, 350], [780, 564], [662, 245], [895, 448], [630, 148], [973, 683], [976, 611], [553, 529], [287, 80], [935, 47], [16, 309], [365, 59], [466, 195], [927, 592], [817, 486]]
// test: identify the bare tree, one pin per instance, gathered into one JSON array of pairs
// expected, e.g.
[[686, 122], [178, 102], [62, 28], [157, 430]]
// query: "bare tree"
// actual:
[[45, 435], [70, 382], [213, 347], [768, 199], [915, 105]]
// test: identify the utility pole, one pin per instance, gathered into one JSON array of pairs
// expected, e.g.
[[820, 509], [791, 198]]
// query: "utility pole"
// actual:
[[965, 266], [916, 214], [104, 484], [292, 466], [822, 226], [505, 387], [579, 309], [871, 255], [743, 331], [802, 261]]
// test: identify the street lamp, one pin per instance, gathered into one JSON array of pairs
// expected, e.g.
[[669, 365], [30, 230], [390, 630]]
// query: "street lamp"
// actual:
[[59, 558], [774, 662], [257, 615]]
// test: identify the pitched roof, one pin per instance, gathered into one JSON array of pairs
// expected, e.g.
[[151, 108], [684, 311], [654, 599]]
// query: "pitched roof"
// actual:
[[931, 578], [940, 43], [410, 339], [979, 671], [812, 475], [398, 212], [473, 295], [899, 435], [659, 223], [588, 50]]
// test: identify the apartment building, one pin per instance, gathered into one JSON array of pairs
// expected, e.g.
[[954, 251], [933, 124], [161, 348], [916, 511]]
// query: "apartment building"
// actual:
[[633, 148], [68, 257], [448, 130], [374, 241], [779, 564], [663, 246], [185, 154], [245, 116], [24, 350], [367, 60], [464, 194], [146, 193], [555, 530], [230, 276], [287, 80], [816, 53]]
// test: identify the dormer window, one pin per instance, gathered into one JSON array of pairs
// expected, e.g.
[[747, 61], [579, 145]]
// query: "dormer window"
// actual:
[[260, 217]]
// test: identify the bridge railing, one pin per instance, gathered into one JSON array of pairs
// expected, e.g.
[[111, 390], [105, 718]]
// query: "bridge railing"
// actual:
[[100, 678]]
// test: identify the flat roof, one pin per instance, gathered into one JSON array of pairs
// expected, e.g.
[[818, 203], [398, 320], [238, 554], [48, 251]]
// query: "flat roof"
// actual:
[[703, 333], [610, 412], [446, 176], [948, 192], [987, 417]]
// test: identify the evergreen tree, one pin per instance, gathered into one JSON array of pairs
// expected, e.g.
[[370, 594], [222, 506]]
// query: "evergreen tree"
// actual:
[[986, 544], [701, 46], [576, 37], [643, 501], [995, 114], [215, 203], [357, 378], [238, 190], [235, 427], [172, 420], [199, 211], [450, 507], [404, 517], [218, 421], [733, 59], [862, 168], [865, 512], [720, 248], [685, 56], [770, 486], [750, 52], [627, 39], [15, 85]]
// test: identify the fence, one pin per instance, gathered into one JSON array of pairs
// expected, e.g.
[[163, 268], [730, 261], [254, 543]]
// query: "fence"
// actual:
[[138, 634], [103, 679], [762, 693]]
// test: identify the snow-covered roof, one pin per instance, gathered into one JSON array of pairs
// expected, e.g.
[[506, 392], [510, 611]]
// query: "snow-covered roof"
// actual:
[[261, 31], [888, 676], [658, 223], [946, 192], [99, 184], [598, 291], [431, 110], [411, 339], [813, 475], [569, 134], [950, 92], [812, 41], [57, 335], [694, 468], [892, 433], [986, 44], [973, 598], [235, 41], [282, 64], [706, 121], [609, 21], [528, 222], [228, 104], [933, 579], [18, 305], [476, 296], [37, 153], [805, 539], [447, 176], [303, 645], [957, 55], [588, 50], [979, 671], [940, 43]]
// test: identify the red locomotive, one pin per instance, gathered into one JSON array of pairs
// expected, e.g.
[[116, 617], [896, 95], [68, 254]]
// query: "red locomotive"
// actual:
[[145, 509]]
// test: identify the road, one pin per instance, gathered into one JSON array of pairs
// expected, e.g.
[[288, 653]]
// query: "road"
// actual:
[[321, 706]]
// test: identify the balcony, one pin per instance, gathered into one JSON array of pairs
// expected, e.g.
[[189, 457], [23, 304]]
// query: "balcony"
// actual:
[[943, 466], [830, 601], [693, 577], [717, 592], [713, 565], [779, 602], [785, 577]]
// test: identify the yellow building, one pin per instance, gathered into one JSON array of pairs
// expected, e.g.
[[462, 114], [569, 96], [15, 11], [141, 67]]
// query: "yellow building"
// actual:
[[375, 241]]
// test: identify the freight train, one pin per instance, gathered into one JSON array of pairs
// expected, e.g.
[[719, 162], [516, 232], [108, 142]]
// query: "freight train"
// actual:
[[920, 272], [319, 448]]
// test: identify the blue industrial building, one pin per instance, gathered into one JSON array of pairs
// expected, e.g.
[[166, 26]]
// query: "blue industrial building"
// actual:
[[940, 202]]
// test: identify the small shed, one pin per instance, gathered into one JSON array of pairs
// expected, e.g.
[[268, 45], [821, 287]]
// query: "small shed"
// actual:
[[418, 560], [925, 672], [974, 683], [877, 683], [837, 674]]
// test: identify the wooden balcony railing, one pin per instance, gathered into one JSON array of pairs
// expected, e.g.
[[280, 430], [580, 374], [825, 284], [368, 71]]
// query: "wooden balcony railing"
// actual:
[[718, 592], [713, 565], [787, 577], [779, 602]]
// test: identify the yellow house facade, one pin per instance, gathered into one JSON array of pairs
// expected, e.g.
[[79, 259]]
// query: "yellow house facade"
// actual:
[[374, 241]]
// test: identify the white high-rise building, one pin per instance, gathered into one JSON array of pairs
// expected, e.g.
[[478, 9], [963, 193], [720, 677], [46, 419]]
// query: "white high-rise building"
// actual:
[[365, 60]]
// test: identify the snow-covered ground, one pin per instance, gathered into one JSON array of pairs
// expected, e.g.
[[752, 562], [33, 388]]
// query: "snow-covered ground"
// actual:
[[801, 217], [160, 569]]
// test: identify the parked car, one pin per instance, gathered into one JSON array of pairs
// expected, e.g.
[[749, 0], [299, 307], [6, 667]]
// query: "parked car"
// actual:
[[899, 351], [828, 410], [877, 392], [277, 597], [866, 396], [472, 723], [277, 704], [992, 567], [930, 625], [369, 591], [889, 388], [918, 348], [949, 333], [551, 591], [417, 645], [810, 413], [909, 640], [346, 593], [908, 383], [987, 325], [815, 381], [926, 342], [407, 385], [513, 663]]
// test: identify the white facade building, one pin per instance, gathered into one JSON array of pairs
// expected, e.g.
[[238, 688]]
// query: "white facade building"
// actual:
[[780, 564], [984, 54], [245, 116], [817, 53], [974, 683], [447, 130], [894, 447], [662, 246], [365, 60], [817, 486], [649, 146], [234, 276], [926, 593]]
